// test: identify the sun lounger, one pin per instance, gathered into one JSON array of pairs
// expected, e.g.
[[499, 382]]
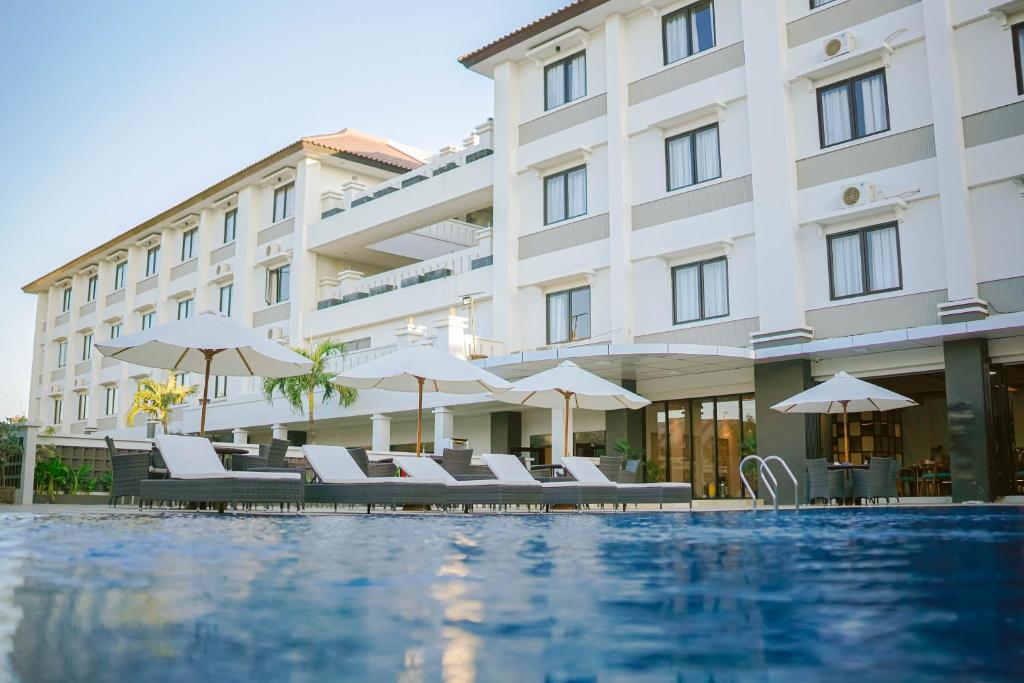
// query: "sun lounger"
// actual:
[[196, 475], [509, 469], [473, 492], [340, 480], [585, 471]]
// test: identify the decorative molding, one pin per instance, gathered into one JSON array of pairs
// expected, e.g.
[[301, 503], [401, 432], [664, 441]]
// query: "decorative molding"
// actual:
[[566, 44], [279, 177]]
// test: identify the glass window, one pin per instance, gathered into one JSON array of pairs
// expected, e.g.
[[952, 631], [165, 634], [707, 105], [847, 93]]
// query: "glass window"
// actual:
[[188, 243], [820, 3], [87, 346], [230, 221], [58, 411], [224, 305], [688, 31], [693, 157], [110, 404], [565, 195], [865, 261], [62, 354], [853, 109], [119, 274], [1018, 56], [83, 406], [357, 344], [278, 285], [66, 300], [115, 330], [284, 201], [565, 80], [90, 289], [183, 379], [568, 315], [220, 386], [700, 290], [184, 309], [148, 319], [152, 261]]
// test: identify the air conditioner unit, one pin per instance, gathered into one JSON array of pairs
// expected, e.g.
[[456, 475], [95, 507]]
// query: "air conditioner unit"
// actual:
[[81, 383], [858, 194], [223, 268], [272, 249], [275, 333], [839, 44]]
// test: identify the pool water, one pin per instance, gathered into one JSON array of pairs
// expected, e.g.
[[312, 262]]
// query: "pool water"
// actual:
[[867, 594]]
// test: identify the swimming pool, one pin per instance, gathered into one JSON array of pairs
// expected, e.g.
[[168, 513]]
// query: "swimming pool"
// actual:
[[876, 594]]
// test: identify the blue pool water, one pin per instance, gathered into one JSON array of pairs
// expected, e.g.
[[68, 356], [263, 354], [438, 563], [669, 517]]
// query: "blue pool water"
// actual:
[[866, 595]]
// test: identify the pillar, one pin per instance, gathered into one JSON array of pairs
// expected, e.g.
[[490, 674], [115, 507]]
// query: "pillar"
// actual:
[[451, 334], [444, 429], [558, 445], [506, 431], [30, 434], [381, 440], [303, 274], [506, 205], [624, 424], [792, 437], [239, 435], [971, 448], [279, 431]]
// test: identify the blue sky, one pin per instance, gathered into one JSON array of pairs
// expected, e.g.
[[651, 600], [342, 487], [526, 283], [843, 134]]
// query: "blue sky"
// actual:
[[113, 111]]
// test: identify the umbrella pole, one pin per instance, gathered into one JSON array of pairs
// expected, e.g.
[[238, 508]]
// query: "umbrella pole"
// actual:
[[419, 418], [565, 425], [206, 391], [846, 432]]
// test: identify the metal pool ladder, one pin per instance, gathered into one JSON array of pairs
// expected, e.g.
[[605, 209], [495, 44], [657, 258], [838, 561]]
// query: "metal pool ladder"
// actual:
[[767, 477]]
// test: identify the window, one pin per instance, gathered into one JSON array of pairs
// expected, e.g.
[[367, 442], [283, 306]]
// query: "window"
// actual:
[[83, 406], [58, 411], [87, 346], [565, 80], [185, 309], [62, 354], [188, 243], [815, 4], [1018, 56], [152, 261], [110, 404], [225, 299], [852, 109], [119, 272], [66, 301], [565, 195], [183, 379], [220, 386], [115, 330], [688, 31], [284, 200], [148, 319], [692, 157], [277, 284], [865, 261], [230, 221], [90, 289], [357, 344], [700, 291], [569, 315]]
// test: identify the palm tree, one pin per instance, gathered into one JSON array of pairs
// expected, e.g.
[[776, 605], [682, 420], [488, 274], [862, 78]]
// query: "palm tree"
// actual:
[[300, 391], [158, 399]]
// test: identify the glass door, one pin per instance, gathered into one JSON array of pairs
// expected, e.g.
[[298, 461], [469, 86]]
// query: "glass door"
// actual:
[[679, 456]]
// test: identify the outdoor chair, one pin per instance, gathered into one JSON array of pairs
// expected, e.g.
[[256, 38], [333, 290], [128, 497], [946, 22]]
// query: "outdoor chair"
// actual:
[[458, 463], [369, 467], [873, 483], [630, 473], [464, 493], [890, 489], [127, 469], [339, 478], [509, 470], [610, 466], [828, 485], [586, 472]]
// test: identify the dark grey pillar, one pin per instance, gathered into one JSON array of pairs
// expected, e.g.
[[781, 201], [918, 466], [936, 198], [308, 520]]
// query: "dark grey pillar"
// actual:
[[624, 424], [971, 452], [794, 438], [506, 432]]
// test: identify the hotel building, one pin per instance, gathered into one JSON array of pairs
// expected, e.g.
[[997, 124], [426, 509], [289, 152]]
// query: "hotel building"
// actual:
[[717, 203]]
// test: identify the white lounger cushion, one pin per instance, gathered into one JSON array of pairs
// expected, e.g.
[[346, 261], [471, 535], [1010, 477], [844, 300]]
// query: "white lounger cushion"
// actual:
[[508, 468], [333, 464], [586, 471], [193, 457], [423, 468]]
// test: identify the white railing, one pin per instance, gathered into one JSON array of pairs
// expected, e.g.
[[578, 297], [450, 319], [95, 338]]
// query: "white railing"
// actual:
[[457, 232], [481, 347], [354, 359], [439, 267]]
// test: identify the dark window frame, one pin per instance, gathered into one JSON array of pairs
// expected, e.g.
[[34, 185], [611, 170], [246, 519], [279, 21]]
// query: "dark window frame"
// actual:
[[188, 238], [693, 157], [65, 300], [120, 275], [565, 79], [83, 406], [87, 346], [1018, 59], [62, 354], [865, 274], [688, 11], [820, 3], [188, 305], [91, 287], [230, 216], [230, 287], [274, 285], [153, 259], [569, 327], [283, 192], [700, 290], [565, 193], [851, 100], [110, 401], [58, 410]]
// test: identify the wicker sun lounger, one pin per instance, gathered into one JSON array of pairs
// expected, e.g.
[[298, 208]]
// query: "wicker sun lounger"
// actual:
[[197, 476], [508, 468], [585, 471], [339, 480], [466, 493]]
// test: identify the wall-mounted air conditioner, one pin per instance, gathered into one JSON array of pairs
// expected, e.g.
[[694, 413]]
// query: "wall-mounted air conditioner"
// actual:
[[839, 44], [859, 194]]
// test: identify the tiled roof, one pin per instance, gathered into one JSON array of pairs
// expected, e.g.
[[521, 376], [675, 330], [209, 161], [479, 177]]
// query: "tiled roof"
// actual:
[[571, 10], [364, 145]]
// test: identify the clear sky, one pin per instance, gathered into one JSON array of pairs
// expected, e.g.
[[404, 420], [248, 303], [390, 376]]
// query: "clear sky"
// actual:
[[113, 111]]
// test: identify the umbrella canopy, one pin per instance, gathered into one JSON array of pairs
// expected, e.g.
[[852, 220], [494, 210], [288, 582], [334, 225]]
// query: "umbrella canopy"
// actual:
[[207, 343], [842, 394], [569, 386], [422, 369]]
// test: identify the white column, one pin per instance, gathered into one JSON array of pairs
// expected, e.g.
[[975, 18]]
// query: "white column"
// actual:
[[444, 428], [279, 431], [620, 195], [381, 440], [239, 435], [39, 356], [408, 334], [773, 167], [248, 280], [28, 464], [954, 197], [451, 334], [303, 273], [210, 231], [506, 206], [557, 435]]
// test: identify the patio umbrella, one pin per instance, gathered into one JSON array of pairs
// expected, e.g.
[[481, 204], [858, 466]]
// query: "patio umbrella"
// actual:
[[569, 386], [420, 369], [207, 343], [842, 394]]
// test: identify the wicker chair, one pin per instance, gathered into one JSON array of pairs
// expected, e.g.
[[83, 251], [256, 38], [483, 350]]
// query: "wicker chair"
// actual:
[[890, 490], [271, 455], [458, 463], [610, 466], [369, 467], [630, 474], [821, 483], [873, 483], [126, 471]]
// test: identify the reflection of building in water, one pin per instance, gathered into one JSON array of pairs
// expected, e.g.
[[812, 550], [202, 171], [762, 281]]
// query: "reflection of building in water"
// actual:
[[12, 561]]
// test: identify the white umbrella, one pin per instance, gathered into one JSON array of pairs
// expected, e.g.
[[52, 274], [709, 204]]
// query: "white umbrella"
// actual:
[[569, 386], [842, 394], [420, 369], [207, 343]]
